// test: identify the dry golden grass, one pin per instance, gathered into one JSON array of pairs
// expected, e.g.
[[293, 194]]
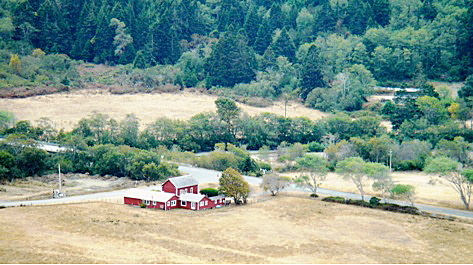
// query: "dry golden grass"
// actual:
[[66, 109], [440, 194], [279, 230]]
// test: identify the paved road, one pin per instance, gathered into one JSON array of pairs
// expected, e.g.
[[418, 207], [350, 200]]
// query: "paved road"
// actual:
[[207, 175]]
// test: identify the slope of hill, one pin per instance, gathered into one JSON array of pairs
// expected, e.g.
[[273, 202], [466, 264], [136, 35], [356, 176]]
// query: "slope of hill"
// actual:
[[281, 229]]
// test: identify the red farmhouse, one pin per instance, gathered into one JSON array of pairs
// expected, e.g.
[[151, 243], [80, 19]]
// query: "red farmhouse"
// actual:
[[177, 192]]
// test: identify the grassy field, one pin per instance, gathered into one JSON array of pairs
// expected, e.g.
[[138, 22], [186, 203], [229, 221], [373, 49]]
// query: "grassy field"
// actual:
[[66, 109], [283, 229]]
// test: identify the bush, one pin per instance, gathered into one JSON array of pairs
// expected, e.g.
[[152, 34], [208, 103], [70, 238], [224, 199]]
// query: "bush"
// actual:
[[374, 201], [358, 202], [142, 205], [264, 165], [315, 147], [209, 192], [336, 199], [400, 209], [314, 195]]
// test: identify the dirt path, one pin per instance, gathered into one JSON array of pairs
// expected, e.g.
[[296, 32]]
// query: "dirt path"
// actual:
[[66, 109]]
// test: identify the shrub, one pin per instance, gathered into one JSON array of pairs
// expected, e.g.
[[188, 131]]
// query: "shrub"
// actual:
[[264, 165], [142, 205], [314, 195], [400, 209], [358, 202], [315, 147], [374, 201], [209, 192], [336, 199]]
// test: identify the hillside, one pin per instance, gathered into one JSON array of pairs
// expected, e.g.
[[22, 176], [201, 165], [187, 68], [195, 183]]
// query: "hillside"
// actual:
[[282, 229], [66, 109]]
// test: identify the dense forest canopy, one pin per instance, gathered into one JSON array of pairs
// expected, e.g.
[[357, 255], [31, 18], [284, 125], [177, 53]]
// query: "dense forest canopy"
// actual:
[[257, 47]]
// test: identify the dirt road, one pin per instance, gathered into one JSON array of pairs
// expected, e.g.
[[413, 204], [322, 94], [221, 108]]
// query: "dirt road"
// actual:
[[206, 175]]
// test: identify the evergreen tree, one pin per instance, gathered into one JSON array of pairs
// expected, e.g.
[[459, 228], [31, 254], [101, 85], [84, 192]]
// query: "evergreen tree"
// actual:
[[164, 42], [84, 38], [103, 39], [52, 36], [381, 12], [268, 60], [231, 13], [139, 61], [358, 16], [263, 38], [284, 46], [231, 62], [276, 16], [24, 21], [311, 76], [252, 22], [326, 18]]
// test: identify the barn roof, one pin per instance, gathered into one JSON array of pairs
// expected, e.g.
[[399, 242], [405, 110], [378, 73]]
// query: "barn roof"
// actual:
[[149, 195], [183, 181], [191, 197]]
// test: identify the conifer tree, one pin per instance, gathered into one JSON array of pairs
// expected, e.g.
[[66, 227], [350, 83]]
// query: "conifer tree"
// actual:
[[311, 75], [231, 13], [103, 39], [276, 16], [284, 46], [263, 38], [84, 38], [269, 60], [52, 36], [231, 62], [164, 42], [381, 12], [251, 26]]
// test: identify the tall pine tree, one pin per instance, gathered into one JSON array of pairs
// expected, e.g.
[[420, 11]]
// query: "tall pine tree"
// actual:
[[263, 38], [231, 62], [284, 46], [311, 76]]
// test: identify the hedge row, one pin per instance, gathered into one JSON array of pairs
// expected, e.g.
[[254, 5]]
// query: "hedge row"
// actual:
[[375, 205]]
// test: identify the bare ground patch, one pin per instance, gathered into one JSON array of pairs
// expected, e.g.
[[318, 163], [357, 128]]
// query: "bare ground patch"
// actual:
[[33, 188]]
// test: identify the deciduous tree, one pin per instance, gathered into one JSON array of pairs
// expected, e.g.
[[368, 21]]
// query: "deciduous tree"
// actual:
[[460, 180], [233, 185], [314, 170], [353, 169], [274, 183]]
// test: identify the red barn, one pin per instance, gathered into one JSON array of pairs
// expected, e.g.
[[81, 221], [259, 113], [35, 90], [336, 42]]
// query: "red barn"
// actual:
[[177, 192], [181, 185], [151, 199]]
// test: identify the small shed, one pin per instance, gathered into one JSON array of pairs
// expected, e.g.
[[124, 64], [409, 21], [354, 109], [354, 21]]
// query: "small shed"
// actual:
[[181, 185], [151, 199]]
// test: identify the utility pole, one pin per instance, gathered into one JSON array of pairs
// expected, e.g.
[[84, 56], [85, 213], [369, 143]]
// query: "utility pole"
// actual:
[[390, 160], [60, 182]]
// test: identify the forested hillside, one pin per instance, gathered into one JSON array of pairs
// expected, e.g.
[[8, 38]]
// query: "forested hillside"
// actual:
[[323, 51]]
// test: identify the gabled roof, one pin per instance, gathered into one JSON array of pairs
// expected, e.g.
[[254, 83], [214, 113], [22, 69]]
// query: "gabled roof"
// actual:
[[149, 195], [214, 198], [183, 181], [191, 197]]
